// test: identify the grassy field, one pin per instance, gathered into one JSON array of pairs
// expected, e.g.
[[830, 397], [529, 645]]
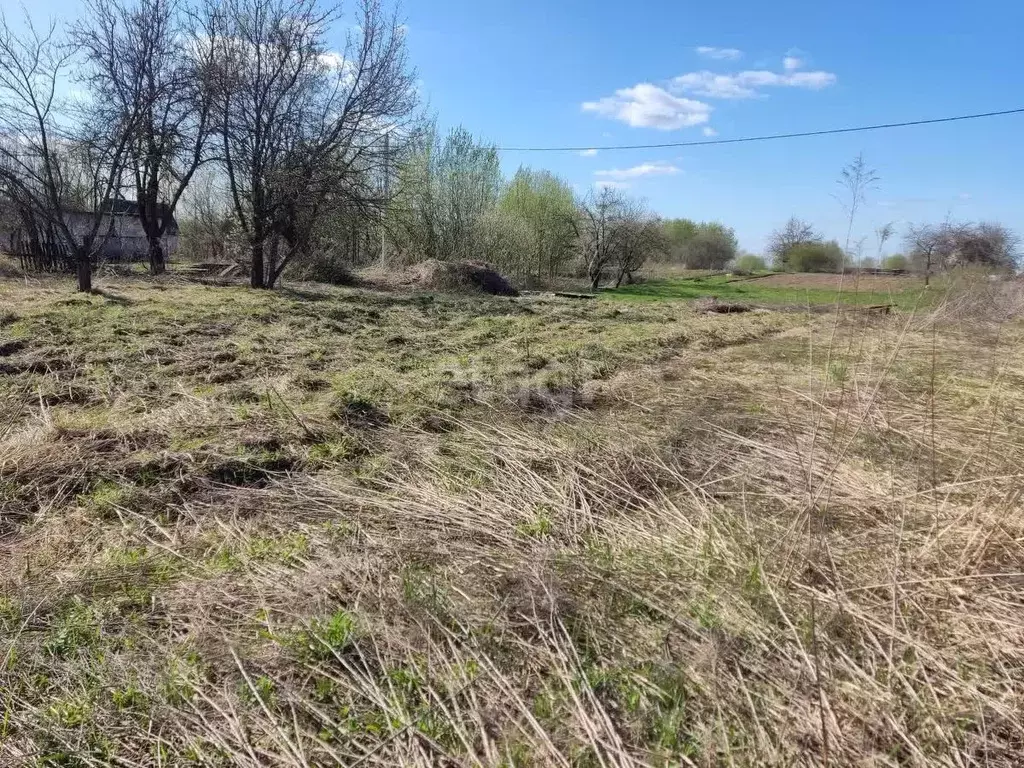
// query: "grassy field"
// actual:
[[344, 527], [794, 290]]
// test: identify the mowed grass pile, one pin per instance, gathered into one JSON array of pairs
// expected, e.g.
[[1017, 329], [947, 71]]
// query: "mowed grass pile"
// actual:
[[344, 528]]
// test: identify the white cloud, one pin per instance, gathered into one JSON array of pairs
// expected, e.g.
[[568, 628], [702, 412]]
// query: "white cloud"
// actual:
[[718, 86], [333, 60], [746, 85], [588, 153], [338, 66], [670, 106], [649, 106], [637, 171], [607, 184], [720, 54], [813, 80], [709, 131]]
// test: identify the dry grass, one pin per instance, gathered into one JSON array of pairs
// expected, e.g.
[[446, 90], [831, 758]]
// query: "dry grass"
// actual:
[[632, 538], [472, 277]]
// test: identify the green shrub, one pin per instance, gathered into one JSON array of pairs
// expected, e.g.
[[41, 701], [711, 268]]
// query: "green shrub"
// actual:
[[814, 257], [896, 261], [750, 262], [712, 246], [704, 245]]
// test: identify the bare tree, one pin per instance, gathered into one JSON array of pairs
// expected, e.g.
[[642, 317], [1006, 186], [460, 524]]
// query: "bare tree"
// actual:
[[794, 233], [60, 179], [144, 61], [617, 234], [926, 245], [985, 244], [639, 237], [208, 230], [601, 214], [303, 127], [954, 244]]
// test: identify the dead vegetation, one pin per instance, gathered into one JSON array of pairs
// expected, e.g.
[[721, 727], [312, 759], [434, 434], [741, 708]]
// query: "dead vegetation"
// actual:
[[465, 277], [334, 527]]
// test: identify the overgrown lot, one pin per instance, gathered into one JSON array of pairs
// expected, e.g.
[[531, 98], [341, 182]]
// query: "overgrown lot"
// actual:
[[331, 526]]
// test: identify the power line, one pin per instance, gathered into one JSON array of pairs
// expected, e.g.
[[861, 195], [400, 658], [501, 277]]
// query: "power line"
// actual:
[[771, 137]]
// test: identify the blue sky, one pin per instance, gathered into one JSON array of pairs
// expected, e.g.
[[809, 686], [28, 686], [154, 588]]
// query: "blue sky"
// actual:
[[599, 72], [520, 74]]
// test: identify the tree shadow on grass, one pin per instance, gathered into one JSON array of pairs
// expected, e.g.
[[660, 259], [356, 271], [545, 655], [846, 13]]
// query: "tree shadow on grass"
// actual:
[[305, 294], [114, 298]]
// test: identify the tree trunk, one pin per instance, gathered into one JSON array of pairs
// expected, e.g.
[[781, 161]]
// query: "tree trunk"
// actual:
[[156, 257], [272, 273], [278, 266], [256, 278], [83, 270]]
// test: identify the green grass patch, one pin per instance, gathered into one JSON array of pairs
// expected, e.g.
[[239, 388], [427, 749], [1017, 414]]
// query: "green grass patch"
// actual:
[[727, 288]]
